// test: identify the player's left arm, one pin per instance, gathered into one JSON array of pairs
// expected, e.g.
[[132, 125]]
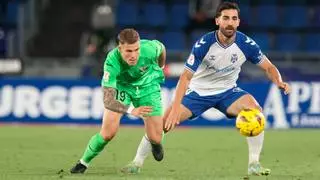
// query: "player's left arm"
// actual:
[[160, 53], [162, 57], [274, 75]]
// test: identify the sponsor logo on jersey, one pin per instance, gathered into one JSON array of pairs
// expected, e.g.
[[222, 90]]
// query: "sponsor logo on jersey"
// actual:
[[190, 60]]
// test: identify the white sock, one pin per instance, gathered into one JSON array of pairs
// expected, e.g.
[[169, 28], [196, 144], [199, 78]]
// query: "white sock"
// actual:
[[255, 146], [143, 151], [84, 163]]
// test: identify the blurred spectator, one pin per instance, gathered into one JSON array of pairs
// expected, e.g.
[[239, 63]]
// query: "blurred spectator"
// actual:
[[203, 13], [101, 40]]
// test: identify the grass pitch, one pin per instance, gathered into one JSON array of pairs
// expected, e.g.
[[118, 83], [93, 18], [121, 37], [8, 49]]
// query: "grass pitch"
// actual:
[[48, 152]]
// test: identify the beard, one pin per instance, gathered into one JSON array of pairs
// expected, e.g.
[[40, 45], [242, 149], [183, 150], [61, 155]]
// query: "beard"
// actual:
[[228, 31]]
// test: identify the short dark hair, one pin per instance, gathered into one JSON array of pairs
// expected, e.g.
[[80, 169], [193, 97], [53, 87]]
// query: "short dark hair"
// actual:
[[128, 36], [227, 5]]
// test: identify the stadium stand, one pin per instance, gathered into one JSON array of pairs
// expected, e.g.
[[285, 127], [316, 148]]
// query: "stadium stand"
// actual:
[[283, 29]]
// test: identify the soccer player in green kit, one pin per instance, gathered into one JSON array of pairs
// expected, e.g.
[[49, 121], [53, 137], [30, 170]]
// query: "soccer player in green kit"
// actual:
[[132, 74]]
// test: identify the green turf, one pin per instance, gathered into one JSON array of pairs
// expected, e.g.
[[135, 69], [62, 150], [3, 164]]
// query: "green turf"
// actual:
[[40, 152]]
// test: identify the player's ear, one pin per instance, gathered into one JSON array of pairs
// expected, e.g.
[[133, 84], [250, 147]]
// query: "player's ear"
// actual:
[[216, 21]]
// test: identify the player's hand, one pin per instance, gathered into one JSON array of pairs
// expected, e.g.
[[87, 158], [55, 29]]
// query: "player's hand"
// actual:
[[172, 120], [141, 111], [285, 87]]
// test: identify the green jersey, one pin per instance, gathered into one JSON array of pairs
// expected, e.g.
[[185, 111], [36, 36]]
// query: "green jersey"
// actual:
[[119, 75]]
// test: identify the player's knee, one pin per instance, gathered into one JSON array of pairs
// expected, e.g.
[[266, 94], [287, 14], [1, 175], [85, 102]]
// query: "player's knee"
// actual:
[[258, 107], [254, 106], [107, 136]]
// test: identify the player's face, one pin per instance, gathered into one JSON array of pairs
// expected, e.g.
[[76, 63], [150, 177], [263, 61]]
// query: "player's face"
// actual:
[[130, 52], [228, 22]]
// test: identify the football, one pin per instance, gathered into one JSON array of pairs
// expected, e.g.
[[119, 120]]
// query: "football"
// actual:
[[250, 122]]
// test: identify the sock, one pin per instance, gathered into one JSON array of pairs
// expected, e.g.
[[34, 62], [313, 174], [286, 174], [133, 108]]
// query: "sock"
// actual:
[[255, 146], [95, 146], [143, 150]]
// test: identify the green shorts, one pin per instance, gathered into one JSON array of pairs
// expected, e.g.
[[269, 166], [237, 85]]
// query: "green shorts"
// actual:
[[149, 96]]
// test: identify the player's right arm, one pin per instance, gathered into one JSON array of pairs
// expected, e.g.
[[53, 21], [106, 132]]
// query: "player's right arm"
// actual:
[[160, 52], [192, 64], [162, 57], [112, 104], [174, 116]]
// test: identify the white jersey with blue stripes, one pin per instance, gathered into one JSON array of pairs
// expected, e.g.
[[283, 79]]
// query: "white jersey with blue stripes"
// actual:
[[216, 67]]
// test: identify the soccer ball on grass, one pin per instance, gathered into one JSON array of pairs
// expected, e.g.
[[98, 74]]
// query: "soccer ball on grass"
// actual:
[[250, 122]]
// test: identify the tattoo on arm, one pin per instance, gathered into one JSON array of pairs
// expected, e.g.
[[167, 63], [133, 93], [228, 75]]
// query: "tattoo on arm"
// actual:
[[110, 101]]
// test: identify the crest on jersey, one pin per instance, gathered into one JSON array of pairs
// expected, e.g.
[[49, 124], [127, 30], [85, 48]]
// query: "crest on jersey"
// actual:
[[190, 60], [212, 57], [234, 58], [106, 75], [143, 69]]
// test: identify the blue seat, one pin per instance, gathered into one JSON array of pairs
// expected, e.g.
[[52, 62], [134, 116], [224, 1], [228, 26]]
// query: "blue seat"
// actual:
[[312, 42], [155, 14], [196, 35], [148, 34], [316, 17], [179, 16], [12, 12], [292, 2], [127, 14], [174, 41], [288, 42], [265, 2], [263, 40], [245, 14], [267, 16], [294, 17]]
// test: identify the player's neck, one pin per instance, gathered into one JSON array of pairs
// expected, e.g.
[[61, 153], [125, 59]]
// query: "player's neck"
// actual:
[[225, 41]]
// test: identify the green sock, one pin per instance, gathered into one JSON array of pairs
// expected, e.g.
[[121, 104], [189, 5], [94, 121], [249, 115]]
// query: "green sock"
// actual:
[[95, 146]]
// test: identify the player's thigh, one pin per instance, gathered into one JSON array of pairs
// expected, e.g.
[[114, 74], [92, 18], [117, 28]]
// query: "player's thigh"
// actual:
[[111, 119], [153, 127], [246, 101], [123, 96], [193, 105], [110, 124], [152, 99]]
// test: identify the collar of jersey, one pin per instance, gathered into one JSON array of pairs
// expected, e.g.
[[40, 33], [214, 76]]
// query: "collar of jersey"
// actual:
[[220, 44]]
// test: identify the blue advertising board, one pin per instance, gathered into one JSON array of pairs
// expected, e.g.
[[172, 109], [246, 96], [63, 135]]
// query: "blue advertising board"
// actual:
[[80, 102]]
